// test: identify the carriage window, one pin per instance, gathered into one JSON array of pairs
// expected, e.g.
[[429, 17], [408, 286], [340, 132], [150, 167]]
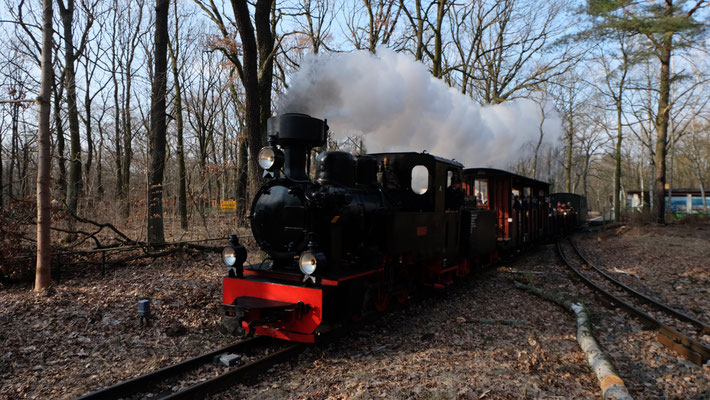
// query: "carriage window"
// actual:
[[526, 191], [481, 191], [420, 179]]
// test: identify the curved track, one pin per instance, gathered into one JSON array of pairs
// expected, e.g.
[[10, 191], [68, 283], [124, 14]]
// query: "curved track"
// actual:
[[148, 382], [683, 344]]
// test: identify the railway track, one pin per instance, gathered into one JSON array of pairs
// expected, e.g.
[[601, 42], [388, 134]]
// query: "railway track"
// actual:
[[670, 323], [152, 382]]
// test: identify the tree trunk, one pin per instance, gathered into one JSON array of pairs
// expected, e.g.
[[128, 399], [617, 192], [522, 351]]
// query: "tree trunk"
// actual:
[[25, 170], [570, 143], [74, 182], [89, 136], [99, 164], [242, 164], [42, 274], [418, 27], [127, 147], [539, 140], [2, 186], [265, 42], [127, 123], [438, 46], [13, 149], [702, 193], [179, 125], [242, 180], [617, 155], [225, 153], [662, 118], [250, 81], [117, 127], [158, 129]]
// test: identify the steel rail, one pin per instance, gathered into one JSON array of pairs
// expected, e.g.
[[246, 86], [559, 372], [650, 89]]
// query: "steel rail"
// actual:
[[682, 344], [146, 382], [231, 378], [703, 327]]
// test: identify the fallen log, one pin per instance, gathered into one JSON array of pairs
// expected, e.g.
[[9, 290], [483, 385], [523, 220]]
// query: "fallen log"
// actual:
[[612, 386]]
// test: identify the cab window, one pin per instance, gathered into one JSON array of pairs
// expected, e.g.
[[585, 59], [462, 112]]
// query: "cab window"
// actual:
[[420, 179]]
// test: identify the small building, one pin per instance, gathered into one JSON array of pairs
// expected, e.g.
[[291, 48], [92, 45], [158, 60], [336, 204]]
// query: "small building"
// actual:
[[678, 201]]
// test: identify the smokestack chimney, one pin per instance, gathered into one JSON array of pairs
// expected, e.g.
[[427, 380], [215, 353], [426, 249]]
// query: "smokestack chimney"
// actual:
[[296, 134]]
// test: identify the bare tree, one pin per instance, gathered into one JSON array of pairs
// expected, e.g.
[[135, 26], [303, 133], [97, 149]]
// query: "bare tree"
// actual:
[[93, 79], [253, 61], [569, 96], [42, 276], [70, 56], [156, 234], [697, 150], [589, 141], [513, 59], [128, 42], [541, 104], [667, 26], [316, 22], [380, 21], [615, 82], [174, 50]]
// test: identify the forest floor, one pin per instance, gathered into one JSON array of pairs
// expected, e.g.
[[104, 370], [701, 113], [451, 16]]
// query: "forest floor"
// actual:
[[481, 339]]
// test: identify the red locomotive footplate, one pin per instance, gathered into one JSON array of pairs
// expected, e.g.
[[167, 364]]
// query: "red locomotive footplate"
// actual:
[[300, 329]]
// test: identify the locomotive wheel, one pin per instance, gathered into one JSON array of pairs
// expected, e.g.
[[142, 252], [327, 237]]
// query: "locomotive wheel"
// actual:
[[464, 268], [402, 296], [382, 300], [405, 277]]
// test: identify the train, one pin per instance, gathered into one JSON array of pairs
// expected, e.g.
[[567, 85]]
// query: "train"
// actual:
[[359, 233]]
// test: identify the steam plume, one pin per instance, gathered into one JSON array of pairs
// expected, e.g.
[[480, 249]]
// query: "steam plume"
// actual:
[[399, 106]]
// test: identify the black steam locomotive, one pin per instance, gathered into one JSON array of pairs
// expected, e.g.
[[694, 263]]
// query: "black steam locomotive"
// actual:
[[365, 231]]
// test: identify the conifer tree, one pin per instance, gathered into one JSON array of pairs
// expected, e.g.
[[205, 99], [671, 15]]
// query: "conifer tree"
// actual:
[[667, 25]]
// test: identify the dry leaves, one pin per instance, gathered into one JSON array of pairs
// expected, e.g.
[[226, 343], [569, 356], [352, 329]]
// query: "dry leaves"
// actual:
[[482, 339]]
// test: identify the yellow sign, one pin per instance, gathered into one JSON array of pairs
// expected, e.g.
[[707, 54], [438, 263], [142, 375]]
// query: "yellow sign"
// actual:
[[228, 205]]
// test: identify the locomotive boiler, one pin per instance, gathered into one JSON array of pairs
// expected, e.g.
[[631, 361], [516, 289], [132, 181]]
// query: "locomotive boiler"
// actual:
[[328, 224]]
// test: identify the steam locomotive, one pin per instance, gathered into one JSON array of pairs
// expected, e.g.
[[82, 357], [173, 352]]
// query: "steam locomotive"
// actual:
[[366, 231]]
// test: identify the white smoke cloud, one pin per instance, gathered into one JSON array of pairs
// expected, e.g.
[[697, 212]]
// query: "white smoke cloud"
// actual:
[[399, 106]]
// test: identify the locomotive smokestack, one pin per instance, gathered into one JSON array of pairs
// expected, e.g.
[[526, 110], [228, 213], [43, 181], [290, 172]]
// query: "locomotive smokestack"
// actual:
[[297, 134]]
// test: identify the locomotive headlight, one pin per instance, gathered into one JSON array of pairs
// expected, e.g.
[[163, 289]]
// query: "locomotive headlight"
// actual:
[[309, 261], [270, 158], [229, 256], [234, 257]]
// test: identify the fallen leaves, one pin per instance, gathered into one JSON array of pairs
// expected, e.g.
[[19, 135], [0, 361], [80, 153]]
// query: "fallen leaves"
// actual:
[[480, 340]]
